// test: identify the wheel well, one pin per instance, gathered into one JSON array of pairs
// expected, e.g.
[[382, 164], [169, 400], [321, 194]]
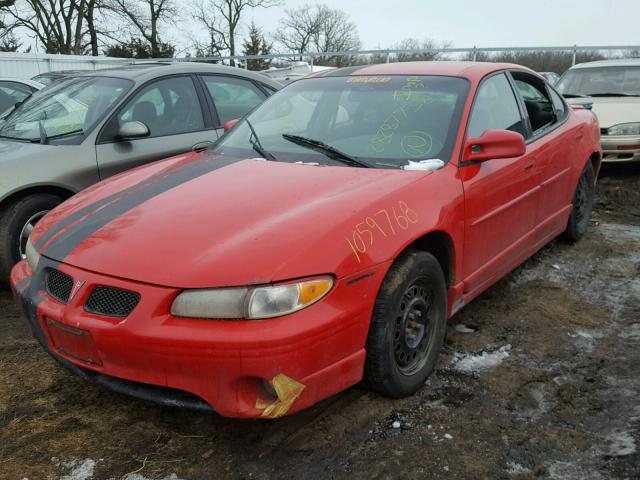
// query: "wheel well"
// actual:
[[58, 191], [440, 245], [596, 160]]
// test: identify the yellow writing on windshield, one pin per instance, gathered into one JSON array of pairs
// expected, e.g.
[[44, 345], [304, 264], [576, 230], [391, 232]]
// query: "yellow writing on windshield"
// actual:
[[369, 79]]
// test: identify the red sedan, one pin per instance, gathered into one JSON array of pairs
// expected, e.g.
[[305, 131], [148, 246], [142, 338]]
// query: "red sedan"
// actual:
[[325, 240]]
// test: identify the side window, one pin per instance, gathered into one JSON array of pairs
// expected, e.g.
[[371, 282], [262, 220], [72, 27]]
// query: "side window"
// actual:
[[12, 93], [537, 102], [495, 108], [168, 107], [233, 97], [558, 104]]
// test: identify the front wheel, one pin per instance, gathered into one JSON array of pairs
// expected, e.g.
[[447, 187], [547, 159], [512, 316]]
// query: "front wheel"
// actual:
[[582, 205], [17, 220], [407, 327]]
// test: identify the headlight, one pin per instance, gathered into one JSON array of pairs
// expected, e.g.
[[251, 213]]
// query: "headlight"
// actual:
[[625, 129], [32, 255], [250, 302]]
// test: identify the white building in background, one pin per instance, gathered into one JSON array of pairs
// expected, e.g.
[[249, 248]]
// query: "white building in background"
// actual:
[[293, 72]]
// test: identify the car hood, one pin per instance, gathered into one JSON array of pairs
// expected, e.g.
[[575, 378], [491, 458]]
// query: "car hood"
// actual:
[[613, 110], [203, 221], [11, 151]]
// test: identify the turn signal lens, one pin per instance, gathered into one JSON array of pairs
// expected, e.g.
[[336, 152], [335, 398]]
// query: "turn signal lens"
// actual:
[[313, 290]]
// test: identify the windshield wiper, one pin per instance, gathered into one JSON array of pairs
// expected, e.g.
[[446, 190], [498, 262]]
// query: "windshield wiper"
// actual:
[[326, 149], [46, 139], [613, 94], [20, 139], [256, 145], [43, 132]]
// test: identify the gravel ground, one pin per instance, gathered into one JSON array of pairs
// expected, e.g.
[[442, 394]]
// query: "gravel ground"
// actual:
[[538, 379]]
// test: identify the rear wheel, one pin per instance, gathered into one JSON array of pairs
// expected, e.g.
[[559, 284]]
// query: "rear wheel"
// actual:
[[17, 220], [407, 327], [582, 205]]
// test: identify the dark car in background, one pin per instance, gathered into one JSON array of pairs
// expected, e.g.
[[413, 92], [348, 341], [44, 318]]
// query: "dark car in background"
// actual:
[[92, 126], [48, 78]]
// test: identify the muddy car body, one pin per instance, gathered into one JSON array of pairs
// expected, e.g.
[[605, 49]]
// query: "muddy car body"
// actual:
[[257, 288]]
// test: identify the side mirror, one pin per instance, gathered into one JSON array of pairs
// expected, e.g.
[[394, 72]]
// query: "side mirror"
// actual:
[[131, 130], [494, 144], [230, 124]]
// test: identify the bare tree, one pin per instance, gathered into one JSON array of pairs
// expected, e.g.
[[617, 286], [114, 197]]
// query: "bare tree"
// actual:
[[540, 61], [318, 29], [221, 18], [415, 44], [297, 29], [145, 17], [57, 25]]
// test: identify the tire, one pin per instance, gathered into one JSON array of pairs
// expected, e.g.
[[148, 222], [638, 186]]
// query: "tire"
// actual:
[[13, 218], [403, 351], [578, 223]]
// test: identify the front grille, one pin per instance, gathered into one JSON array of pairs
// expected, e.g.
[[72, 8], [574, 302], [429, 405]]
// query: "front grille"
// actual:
[[59, 285], [111, 302]]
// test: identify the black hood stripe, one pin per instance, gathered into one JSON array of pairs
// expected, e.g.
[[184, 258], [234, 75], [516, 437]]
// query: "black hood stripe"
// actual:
[[87, 210], [68, 240]]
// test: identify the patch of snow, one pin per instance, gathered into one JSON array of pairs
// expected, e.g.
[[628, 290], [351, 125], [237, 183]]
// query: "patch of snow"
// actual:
[[137, 476], [462, 328], [424, 165], [514, 468], [396, 424], [448, 436], [633, 332], [474, 362], [621, 444], [80, 469]]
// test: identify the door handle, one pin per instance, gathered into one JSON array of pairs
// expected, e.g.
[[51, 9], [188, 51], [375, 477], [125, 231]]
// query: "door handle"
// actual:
[[199, 147], [529, 165]]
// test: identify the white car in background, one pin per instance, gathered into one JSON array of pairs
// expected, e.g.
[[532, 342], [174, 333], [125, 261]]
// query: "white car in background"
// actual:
[[612, 87], [15, 90]]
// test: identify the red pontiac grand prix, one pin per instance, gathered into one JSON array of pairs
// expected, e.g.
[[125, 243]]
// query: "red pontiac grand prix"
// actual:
[[324, 240]]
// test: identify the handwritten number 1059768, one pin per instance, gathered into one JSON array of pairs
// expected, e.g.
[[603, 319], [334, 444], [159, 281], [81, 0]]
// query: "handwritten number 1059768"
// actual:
[[384, 223]]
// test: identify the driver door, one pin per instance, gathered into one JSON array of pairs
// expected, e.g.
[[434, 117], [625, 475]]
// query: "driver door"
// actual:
[[174, 113], [501, 195]]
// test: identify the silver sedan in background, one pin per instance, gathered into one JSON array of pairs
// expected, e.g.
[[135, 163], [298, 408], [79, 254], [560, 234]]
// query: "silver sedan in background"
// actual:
[[84, 129], [14, 91]]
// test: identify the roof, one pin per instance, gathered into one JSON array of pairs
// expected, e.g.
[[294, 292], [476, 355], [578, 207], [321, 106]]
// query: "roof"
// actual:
[[471, 70], [141, 72], [625, 62]]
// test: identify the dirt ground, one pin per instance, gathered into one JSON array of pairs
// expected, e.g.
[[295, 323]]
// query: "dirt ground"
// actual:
[[543, 384]]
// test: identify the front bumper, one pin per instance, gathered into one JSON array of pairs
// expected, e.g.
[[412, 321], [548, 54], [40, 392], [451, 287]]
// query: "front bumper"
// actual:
[[618, 149], [221, 364]]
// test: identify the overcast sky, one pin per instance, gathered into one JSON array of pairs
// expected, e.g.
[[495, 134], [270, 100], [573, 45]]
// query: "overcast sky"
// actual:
[[488, 23]]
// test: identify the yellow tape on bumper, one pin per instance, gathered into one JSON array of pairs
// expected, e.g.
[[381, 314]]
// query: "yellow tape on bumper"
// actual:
[[288, 390]]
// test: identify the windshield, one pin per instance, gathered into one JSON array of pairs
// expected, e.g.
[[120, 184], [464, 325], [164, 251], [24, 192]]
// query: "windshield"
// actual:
[[601, 80], [380, 121], [67, 110]]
